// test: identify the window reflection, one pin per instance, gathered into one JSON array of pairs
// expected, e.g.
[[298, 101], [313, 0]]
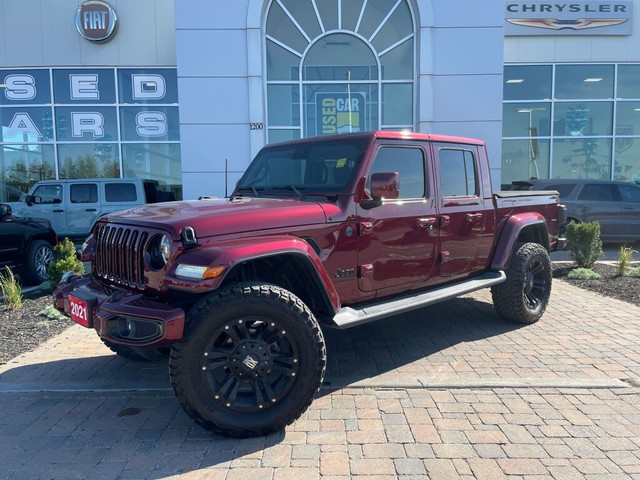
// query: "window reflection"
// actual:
[[583, 118], [526, 119], [584, 81], [582, 158], [524, 159], [527, 82]]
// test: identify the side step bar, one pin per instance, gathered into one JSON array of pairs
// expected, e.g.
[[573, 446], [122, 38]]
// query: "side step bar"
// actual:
[[348, 317]]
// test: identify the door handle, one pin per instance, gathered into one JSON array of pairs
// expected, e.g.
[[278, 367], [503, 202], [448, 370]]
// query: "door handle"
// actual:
[[473, 217], [58, 211], [90, 209], [428, 222], [629, 208], [445, 220]]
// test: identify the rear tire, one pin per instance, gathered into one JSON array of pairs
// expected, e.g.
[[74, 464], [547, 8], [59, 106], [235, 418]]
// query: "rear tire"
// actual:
[[39, 258], [250, 362], [137, 354], [524, 295]]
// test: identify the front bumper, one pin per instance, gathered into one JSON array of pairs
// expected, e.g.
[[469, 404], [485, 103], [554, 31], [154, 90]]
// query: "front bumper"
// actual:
[[120, 316]]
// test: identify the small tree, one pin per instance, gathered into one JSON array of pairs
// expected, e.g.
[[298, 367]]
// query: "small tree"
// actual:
[[584, 244], [66, 261]]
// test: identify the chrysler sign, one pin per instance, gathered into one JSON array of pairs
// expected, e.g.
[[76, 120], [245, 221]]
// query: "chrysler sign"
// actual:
[[568, 18]]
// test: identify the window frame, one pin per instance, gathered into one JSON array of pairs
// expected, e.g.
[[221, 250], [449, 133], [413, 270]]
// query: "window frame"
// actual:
[[474, 157]]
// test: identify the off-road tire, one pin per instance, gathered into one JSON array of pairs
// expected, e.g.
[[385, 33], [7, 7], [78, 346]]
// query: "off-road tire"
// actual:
[[524, 295], [39, 257], [224, 392], [137, 354]]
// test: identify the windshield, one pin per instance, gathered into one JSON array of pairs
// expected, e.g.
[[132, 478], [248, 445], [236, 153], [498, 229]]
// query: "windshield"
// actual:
[[318, 167]]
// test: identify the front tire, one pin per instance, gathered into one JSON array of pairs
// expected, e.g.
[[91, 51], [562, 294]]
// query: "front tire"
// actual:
[[39, 258], [250, 362], [524, 295]]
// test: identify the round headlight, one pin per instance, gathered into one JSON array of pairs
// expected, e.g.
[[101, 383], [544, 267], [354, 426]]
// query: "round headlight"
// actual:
[[164, 248], [159, 251]]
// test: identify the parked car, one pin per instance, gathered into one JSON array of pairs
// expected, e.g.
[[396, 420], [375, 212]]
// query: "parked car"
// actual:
[[334, 231], [615, 205], [73, 206], [26, 245]]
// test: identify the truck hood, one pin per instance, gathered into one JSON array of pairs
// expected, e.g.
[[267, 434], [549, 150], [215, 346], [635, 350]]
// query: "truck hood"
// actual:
[[225, 216]]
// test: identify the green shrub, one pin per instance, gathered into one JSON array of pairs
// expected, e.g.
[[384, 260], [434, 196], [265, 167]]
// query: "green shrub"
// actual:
[[624, 259], [634, 272], [11, 290], [583, 274], [584, 244], [66, 261]]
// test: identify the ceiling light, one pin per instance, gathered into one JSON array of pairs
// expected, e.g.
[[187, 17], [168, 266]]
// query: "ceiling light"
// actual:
[[636, 109], [596, 79], [515, 80]]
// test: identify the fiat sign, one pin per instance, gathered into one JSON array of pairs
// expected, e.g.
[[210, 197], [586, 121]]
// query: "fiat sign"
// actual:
[[96, 21]]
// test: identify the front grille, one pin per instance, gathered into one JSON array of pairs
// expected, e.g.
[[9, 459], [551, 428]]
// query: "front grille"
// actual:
[[120, 255]]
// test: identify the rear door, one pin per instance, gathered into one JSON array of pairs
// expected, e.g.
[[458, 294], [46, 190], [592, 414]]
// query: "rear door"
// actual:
[[600, 202], [630, 196], [398, 239], [121, 195], [461, 212], [83, 208]]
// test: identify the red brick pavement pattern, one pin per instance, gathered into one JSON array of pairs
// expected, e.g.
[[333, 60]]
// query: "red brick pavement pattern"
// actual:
[[516, 433]]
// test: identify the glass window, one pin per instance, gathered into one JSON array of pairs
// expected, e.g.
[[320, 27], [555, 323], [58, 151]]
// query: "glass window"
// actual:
[[151, 124], [408, 162], [86, 124], [584, 118], [374, 13], [397, 104], [328, 10], [83, 193], [154, 161], [628, 118], [597, 192], [26, 124], [526, 119], [457, 173], [527, 82], [582, 158], [340, 56], [25, 87], [89, 160], [280, 27], [281, 63], [397, 63], [628, 85], [284, 105], [81, 85], [397, 26], [120, 192], [148, 85], [627, 162], [524, 159], [49, 194], [584, 81], [629, 193], [282, 135], [23, 165], [305, 15], [351, 13]]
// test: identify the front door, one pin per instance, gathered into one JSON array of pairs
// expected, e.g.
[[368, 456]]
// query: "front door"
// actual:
[[398, 239], [51, 206], [462, 214]]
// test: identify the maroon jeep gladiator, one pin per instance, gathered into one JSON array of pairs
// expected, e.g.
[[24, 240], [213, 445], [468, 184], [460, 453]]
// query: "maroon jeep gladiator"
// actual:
[[332, 231]]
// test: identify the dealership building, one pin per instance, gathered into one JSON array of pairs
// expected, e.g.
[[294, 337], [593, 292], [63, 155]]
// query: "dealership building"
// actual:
[[187, 92]]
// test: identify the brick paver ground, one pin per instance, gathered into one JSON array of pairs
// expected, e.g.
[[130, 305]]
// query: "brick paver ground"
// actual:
[[445, 392]]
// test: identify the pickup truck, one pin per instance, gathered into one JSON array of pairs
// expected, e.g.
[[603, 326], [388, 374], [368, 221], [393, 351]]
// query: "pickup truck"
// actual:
[[73, 205], [331, 231]]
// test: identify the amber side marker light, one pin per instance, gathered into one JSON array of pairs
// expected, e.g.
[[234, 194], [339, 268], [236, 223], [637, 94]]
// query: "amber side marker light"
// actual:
[[198, 272]]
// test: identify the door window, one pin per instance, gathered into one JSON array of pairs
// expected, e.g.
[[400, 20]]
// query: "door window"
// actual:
[[120, 192], [49, 194], [597, 192], [457, 173], [408, 162], [629, 193], [83, 193]]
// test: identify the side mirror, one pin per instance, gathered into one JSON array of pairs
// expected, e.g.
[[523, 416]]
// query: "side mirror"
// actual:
[[5, 210], [32, 199], [385, 186]]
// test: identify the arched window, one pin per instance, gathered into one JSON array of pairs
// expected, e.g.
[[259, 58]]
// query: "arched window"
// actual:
[[338, 66]]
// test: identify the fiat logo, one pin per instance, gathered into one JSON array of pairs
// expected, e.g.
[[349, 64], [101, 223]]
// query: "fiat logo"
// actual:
[[96, 21]]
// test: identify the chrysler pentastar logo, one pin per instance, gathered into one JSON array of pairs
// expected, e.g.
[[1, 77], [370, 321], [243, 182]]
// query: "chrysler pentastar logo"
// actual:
[[557, 24]]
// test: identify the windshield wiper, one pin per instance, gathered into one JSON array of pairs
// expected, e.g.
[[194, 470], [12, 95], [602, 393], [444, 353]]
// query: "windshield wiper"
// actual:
[[247, 187], [290, 187]]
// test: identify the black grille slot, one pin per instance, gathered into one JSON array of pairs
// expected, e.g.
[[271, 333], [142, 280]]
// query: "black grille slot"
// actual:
[[120, 255]]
